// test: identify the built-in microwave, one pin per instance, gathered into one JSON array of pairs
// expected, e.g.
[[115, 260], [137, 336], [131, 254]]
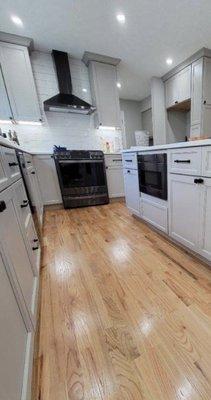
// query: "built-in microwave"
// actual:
[[152, 171]]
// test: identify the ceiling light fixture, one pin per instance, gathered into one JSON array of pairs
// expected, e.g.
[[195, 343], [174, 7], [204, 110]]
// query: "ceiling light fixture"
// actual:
[[119, 85], [120, 18], [169, 61], [16, 20]]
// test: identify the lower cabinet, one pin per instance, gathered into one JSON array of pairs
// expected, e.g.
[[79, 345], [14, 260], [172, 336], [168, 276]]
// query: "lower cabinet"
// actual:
[[205, 220], [115, 181], [184, 210], [154, 211], [15, 342], [132, 196], [34, 191], [47, 179]]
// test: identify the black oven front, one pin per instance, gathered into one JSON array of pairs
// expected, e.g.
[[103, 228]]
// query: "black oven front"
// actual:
[[152, 170]]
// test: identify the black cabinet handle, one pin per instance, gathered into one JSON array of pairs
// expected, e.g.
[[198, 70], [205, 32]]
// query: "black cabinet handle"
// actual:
[[35, 240], [129, 160], [176, 102], [205, 101], [13, 164], [33, 173], [25, 205], [128, 171], [29, 162], [182, 161], [199, 180], [2, 206], [35, 248]]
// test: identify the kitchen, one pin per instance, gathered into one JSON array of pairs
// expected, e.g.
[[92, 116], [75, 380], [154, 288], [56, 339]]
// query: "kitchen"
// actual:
[[105, 212]]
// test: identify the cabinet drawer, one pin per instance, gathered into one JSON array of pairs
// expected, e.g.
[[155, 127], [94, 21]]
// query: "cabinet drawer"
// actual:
[[154, 212], [186, 162], [28, 160], [129, 160], [114, 160], [33, 246], [11, 165]]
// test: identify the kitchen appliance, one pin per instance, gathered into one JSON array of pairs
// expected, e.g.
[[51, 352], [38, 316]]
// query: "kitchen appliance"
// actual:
[[65, 101], [82, 177], [152, 171]]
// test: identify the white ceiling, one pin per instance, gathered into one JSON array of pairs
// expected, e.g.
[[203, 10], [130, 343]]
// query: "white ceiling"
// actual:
[[154, 30]]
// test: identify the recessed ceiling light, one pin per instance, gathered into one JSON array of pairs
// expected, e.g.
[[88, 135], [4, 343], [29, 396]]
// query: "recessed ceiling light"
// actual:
[[169, 61], [16, 20], [84, 90], [120, 18], [119, 85]]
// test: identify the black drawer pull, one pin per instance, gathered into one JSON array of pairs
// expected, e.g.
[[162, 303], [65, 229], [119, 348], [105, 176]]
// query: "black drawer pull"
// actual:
[[129, 160], [117, 159], [35, 240], [128, 171], [13, 164], [29, 162], [2, 206], [26, 203], [35, 248], [182, 161], [199, 180], [33, 173]]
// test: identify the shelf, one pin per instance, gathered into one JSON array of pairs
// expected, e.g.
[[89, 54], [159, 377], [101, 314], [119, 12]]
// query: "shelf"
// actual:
[[184, 106]]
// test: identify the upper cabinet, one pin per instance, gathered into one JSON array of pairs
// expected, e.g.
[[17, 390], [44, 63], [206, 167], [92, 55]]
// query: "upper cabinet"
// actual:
[[103, 80], [178, 87], [17, 87]]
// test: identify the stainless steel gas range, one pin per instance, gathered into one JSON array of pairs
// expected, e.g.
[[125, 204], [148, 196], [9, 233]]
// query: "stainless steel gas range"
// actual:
[[82, 177]]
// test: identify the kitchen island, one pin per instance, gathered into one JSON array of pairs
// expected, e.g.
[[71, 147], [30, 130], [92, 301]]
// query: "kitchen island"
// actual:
[[185, 214]]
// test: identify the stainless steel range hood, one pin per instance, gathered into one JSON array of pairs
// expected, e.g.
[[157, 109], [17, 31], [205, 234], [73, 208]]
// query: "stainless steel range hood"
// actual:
[[65, 101]]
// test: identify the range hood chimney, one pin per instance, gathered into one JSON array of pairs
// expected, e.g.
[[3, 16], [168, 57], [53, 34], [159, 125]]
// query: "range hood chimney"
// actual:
[[65, 101]]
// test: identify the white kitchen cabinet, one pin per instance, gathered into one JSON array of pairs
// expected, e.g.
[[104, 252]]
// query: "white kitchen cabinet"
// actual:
[[115, 181], [5, 109], [103, 79], [11, 165], [132, 195], [4, 178], [154, 211], [15, 341], [15, 249], [196, 92], [34, 191], [19, 82], [205, 220], [47, 179], [185, 161], [178, 87], [184, 210], [207, 81]]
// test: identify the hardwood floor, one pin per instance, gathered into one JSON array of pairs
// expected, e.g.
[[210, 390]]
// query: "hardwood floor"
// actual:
[[125, 314]]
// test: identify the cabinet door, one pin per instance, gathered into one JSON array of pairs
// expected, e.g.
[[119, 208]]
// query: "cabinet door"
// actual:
[[34, 247], [22, 204], [19, 81], [48, 179], [5, 109], [115, 181], [196, 92], [171, 92], [4, 178], [132, 190], [14, 246], [184, 84], [104, 78], [205, 220], [184, 210], [13, 339], [35, 193], [207, 81]]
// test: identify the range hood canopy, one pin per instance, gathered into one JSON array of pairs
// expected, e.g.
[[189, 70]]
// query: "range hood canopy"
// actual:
[[65, 101]]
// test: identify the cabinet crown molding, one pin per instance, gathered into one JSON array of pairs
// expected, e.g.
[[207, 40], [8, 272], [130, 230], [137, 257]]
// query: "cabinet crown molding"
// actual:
[[16, 39], [88, 56]]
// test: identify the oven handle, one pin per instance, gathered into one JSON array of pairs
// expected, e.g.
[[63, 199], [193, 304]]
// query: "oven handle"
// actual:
[[78, 161]]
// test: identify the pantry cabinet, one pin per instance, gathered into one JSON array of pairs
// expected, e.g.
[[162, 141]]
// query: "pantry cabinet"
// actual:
[[178, 87], [17, 86], [15, 340]]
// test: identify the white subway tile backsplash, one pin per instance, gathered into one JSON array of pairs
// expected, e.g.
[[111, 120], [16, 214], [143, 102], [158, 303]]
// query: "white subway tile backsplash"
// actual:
[[75, 131]]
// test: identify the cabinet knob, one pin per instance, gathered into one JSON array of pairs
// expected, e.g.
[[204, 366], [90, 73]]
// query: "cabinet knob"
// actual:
[[2, 206], [205, 101], [128, 171], [33, 173], [199, 180], [176, 102], [35, 248], [26, 203]]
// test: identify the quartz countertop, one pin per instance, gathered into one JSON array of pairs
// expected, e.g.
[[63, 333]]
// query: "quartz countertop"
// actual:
[[193, 143]]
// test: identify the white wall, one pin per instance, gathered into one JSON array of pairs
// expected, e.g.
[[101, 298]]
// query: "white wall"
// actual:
[[71, 130], [132, 118]]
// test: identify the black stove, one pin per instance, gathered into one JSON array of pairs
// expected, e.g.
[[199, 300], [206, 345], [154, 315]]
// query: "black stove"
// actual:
[[82, 177]]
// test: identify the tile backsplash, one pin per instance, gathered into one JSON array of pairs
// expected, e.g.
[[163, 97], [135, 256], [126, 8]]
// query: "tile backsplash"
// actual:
[[74, 131]]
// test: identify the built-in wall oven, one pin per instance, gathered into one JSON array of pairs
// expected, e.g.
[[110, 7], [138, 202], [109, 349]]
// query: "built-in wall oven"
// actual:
[[152, 170], [82, 177]]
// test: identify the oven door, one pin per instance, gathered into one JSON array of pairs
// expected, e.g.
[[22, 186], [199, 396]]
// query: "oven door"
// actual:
[[81, 176], [153, 176]]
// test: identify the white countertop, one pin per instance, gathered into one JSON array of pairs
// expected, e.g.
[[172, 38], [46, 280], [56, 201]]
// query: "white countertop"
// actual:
[[193, 143]]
